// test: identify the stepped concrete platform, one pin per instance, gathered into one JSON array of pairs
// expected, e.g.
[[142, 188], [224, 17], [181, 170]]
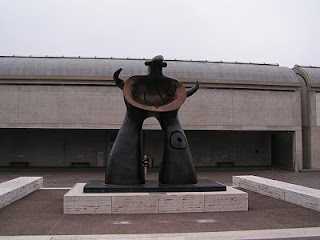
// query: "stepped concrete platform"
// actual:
[[78, 202], [300, 195], [17, 188]]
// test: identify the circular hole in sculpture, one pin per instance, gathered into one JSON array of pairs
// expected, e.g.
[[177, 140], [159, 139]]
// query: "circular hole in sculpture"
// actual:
[[179, 139]]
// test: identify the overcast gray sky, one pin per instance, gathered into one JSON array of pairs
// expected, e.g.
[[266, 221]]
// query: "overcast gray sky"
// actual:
[[273, 31]]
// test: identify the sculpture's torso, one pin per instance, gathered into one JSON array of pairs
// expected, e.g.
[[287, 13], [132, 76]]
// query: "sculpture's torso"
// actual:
[[154, 93]]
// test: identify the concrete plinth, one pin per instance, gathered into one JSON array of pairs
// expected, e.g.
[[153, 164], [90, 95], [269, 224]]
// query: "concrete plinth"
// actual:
[[17, 188], [78, 202]]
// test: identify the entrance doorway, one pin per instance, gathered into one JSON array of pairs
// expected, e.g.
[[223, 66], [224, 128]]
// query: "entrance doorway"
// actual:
[[282, 150]]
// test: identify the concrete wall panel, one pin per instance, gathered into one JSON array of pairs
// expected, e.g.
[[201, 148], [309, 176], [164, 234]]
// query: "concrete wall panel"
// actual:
[[9, 104], [249, 107], [208, 107], [241, 109], [312, 132], [61, 107], [315, 149], [317, 113], [280, 108]]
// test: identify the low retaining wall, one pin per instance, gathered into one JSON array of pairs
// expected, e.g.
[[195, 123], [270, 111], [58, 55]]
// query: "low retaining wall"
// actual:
[[300, 195], [17, 188]]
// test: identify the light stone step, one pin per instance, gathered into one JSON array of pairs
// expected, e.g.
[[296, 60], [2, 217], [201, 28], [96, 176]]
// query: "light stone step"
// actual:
[[276, 234], [17, 188], [300, 195], [77, 202]]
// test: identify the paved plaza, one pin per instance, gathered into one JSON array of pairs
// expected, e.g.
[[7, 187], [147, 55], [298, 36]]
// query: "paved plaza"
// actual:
[[41, 212]]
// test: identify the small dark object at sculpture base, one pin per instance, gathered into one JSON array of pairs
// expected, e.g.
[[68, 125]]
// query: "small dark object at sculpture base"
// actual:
[[203, 185]]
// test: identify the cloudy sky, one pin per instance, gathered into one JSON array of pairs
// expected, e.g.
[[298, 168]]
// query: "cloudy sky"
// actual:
[[272, 31]]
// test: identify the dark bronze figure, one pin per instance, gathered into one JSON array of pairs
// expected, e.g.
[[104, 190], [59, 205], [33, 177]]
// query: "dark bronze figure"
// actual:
[[152, 95]]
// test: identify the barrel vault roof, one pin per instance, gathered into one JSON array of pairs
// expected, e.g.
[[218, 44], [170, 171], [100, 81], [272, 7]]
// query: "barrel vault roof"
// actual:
[[16, 67], [311, 74]]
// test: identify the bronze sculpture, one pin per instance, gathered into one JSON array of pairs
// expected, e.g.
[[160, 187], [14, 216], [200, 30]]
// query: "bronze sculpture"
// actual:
[[152, 95]]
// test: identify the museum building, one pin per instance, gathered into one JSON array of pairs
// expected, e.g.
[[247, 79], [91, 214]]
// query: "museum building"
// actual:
[[66, 112]]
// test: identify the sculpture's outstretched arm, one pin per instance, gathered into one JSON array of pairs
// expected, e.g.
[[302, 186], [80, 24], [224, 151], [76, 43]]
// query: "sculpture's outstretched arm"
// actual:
[[119, 82], [193, 89]]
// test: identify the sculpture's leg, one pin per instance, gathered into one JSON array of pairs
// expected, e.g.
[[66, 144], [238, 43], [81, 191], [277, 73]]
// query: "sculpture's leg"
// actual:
[[177, 164], [124, 165]]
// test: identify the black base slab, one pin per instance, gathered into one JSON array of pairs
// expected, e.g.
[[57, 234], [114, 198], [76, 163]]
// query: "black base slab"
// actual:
[[203, 185]]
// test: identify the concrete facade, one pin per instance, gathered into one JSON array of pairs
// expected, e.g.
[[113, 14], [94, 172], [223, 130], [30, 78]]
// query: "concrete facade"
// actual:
[[310, 79], [60, 112], [92, 107]]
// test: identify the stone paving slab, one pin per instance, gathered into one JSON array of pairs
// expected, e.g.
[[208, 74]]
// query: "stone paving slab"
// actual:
[[300, 195], [17, 188]]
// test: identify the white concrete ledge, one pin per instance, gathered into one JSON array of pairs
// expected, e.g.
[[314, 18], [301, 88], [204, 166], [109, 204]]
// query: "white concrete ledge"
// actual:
[[300, 195], [17, 188], [77, 202]]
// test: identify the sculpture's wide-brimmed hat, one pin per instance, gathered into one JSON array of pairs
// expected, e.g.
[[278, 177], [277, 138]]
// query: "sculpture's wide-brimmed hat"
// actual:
[[154, 93]]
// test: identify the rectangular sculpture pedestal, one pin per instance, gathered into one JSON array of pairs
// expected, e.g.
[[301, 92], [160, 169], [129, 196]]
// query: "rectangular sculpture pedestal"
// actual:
[[78, 202]]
